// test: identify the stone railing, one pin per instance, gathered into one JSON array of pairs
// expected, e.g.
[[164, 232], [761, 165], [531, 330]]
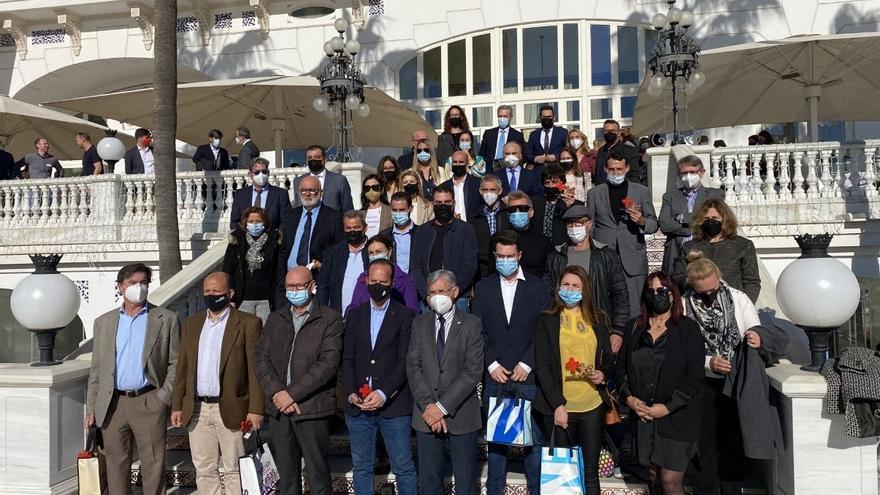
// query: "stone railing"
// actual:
[[182, 293]]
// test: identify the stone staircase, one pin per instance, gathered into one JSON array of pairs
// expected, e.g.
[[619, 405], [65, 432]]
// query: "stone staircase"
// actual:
[[180, 476]]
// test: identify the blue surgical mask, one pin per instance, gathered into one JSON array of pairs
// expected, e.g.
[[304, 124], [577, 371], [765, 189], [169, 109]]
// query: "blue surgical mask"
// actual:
[[464, 145], [255, 229], [215, 143], [616, 179], [503, 122], [570, 297], [400, 218], [298, 298], [423, 156], [519, 219], [507, 267]]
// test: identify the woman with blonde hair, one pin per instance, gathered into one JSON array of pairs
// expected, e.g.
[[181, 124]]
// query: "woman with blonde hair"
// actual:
[[430, 174], [577, 140], [715, 237], [423, 210]]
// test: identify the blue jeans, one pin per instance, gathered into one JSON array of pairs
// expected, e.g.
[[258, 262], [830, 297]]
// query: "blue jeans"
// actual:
[[497, 475], [396, 434]]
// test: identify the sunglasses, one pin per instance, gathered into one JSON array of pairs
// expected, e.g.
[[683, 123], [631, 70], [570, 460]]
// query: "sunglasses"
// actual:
[[660, 291], [520, 208], [374, 187], [426, 150]]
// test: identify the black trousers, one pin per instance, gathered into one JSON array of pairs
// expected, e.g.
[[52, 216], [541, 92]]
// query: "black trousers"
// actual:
[[294, 441], [585, 430], [432, 462], [721, 452]]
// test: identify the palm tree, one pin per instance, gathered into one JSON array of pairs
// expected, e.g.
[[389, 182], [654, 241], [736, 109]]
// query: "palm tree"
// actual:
[[165, 118]]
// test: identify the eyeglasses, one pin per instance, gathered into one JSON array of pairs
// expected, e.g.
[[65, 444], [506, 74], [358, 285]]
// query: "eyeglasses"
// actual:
[[660, 291], [297, 287], [309, 191], [374, 187], [520, 208]]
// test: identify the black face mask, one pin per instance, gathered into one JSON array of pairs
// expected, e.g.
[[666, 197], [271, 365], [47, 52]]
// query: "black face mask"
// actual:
[[216, 302], [657, 304], [315, 166], [566, 164], [411, 189], [710, 228], [443, 213], [355, 237], [709, 298], [459, 170], [390, 175], [550, 192], [547, 122], [378, 292], [455, 121], [610, 138]]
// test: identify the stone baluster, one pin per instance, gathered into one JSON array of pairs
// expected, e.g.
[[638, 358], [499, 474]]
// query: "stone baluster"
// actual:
[[812, 180], [768, 182], [149, 205], [84, 199], [62, 214], [870, 172], [201, 185], [45, 207], [19, 214], [139, 205], [228, 193], [714, 170], [798, 178], [829, 185], [218, 199], [8, 201], [129, 201], [728, 179], [784, 178], [191, 192]]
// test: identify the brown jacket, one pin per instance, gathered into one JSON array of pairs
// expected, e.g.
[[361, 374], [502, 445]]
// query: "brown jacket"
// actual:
[[315, 363], [240, 392]]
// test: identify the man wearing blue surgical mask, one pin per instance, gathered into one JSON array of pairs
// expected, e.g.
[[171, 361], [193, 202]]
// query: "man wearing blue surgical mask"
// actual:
[[536, 247], [494, 139]]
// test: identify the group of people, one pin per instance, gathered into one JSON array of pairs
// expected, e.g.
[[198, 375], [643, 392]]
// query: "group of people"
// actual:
[[461, 277]]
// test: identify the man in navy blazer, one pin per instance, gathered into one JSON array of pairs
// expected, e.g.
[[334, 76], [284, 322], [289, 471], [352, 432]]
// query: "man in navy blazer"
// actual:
[[375, 347], [211, 156], [301, 248], [510, 303], [140, 159], [273, 199], [465, 186], [514, 171], [344, 263], [337, 192], [546, 143], [494, 139]]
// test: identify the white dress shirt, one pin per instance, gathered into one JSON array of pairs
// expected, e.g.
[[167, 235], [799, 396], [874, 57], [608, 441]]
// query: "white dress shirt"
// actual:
[[460, 209], [508, 292], [321, 177], [353, 269], [208, 368], [149, 160]]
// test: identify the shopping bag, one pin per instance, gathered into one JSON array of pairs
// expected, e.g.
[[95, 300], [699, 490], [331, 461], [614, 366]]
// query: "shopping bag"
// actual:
[[562, 470], [606, 463], [510, 420], [91, 469], [257, 470]]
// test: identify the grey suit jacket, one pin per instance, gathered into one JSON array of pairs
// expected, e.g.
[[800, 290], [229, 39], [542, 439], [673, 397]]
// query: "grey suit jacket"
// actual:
[[452, 383], [675, 204], [159, 358], [248, 152], [626, 236], [337, 192]]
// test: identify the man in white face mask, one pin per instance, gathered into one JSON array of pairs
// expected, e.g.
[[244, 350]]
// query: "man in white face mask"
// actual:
[[679, 205], [443, 366], [516, 175], [134, 360], [261, 194]]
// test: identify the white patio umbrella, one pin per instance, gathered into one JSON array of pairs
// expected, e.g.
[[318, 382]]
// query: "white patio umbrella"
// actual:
[[803, 78], [277, 110], [21, 123]]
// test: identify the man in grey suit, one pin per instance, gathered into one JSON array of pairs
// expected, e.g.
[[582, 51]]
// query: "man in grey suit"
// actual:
[[248, 150], [679, 205], [444, 366], [623, 215], [134, 358], [337, 192]]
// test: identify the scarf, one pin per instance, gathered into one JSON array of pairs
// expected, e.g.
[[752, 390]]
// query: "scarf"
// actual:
[[254, 256], [717, 322]]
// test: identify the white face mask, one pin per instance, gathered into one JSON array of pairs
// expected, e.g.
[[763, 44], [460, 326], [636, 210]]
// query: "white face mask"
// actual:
[[576, 143], [577, 234], [261, 179], [616, 179], [490, 198], [511, 160], [136, 294], [441, 303], [690, 180], [215, 143]]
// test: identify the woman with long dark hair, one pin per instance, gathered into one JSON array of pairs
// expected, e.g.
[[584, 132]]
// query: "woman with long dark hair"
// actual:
[[374, 204], [389, 175], [660, 373], [572, 362], [455, 122]]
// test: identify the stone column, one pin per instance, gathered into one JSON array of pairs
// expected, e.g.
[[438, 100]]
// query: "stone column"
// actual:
[[355, 173]]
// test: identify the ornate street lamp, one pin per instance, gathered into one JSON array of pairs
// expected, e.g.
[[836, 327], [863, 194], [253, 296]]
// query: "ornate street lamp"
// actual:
[[675, 60], [342, 93], [818, 293], [45, 302], [111, 150]]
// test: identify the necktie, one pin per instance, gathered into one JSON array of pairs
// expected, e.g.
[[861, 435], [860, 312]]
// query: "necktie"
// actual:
[[302, 254], [257, 202], [502, 140], [512, 179], [441, 338], [546, 140]]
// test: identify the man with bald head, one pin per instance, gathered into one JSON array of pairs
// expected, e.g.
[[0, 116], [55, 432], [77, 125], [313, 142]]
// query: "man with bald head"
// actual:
[[297, 361], [216, 386], [515, 175], [466, 187], [405, 161]]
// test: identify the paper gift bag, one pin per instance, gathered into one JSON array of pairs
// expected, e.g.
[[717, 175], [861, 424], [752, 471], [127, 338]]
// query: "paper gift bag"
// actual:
[[91, 469], [257, 470]]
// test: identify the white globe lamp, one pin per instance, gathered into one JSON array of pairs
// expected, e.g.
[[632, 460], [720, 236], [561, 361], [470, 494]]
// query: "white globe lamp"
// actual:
[[111, 150]]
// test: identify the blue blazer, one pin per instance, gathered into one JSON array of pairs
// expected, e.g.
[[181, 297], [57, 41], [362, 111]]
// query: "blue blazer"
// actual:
[[529, 181], [133, 162], [277, 205], [459, 255], [332, 275], [535, 147], [473, 201], [489, 143], [337, 192], [385, 363], [514, 342]]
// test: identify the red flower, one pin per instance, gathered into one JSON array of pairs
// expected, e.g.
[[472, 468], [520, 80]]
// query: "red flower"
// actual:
[[245, 426], [365, 390], [571, 365], [560, 186], [627, 202]]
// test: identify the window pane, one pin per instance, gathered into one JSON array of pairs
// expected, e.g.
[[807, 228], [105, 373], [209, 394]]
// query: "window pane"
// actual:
[[508, 58], [627, 106], [600, 52], [599, 133], [651, 38], [533, 111], [456, 68], [482, 64], [574, 110], [409, 85], [570, 58], [600, 109], [627, 55], [539, 49], [433, 68], [434, 117], [482, 117]]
